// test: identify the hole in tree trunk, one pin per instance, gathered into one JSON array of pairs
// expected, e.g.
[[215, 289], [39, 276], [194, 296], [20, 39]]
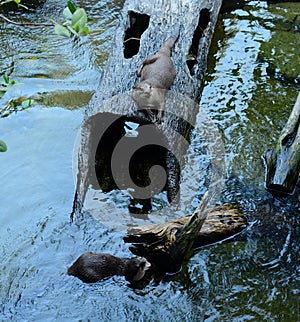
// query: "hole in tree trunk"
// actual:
[[204, 19], [137, 24], [141, 161]]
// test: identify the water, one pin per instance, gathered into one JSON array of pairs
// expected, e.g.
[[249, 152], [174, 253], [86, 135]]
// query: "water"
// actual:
[[255, 277]]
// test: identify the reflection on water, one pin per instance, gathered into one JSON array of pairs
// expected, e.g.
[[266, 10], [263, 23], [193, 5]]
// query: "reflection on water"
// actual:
[[255, 277]]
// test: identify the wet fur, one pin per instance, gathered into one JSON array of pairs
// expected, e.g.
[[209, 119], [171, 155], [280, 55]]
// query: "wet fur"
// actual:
[[92, 267]]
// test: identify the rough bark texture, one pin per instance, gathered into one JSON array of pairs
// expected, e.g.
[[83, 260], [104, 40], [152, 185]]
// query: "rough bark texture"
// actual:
[[282, 163], [195, 20], [143, 27], [159, 242]]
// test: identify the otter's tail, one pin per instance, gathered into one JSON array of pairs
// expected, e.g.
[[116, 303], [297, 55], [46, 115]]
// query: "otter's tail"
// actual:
[[170, 42]]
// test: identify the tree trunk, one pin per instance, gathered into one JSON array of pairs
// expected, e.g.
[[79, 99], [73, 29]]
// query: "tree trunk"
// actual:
[[282, 163], [143, 27], [103, 163]]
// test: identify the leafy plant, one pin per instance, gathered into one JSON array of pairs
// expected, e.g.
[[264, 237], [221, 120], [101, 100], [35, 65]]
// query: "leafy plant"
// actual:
[[15, 105], [7, 81], [18, 2], [5, 84], [3, 147], [75, 22]]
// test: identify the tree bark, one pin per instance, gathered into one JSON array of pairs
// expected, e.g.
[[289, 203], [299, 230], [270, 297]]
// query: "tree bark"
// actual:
[[143, 27], [166, 245], [282, 163]]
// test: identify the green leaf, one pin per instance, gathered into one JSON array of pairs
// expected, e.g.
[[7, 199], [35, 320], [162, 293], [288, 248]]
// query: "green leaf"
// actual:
[[85, 31], [79, 19], [26, 103], [6, 79], [3, 146], [61, 30], [73, 31], [67, 13], [71, 7]]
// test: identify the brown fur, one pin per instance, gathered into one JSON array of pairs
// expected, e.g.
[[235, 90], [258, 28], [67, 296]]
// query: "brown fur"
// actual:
[[92, 267], [157, 76]]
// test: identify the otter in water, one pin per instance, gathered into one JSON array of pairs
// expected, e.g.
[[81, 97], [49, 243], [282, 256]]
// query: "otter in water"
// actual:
[[157, 76], [92, 267]]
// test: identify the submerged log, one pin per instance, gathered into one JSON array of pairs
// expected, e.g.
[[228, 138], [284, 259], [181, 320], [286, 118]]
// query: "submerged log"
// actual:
[[160, 243], [282, 163]]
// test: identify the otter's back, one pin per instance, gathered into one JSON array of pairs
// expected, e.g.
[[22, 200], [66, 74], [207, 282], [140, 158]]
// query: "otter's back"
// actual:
[[92, 267]]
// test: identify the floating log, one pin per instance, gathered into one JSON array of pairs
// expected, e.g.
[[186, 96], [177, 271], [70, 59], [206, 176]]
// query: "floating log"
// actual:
[[282, 163], [143, 27], [159, 242]]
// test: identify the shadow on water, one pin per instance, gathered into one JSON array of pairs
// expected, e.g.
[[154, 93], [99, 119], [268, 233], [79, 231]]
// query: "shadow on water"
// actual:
[[253, 277]]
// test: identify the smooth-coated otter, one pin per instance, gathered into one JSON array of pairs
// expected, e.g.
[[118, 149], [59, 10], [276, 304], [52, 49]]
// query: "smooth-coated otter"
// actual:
[[157, 76], [92, 267]]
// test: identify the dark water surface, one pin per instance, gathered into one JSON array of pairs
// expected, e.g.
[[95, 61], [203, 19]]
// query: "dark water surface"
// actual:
[[248, 92]]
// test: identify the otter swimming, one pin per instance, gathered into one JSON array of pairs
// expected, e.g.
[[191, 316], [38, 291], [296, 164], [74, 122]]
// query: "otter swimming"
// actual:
[[92, 267], [157, 76]]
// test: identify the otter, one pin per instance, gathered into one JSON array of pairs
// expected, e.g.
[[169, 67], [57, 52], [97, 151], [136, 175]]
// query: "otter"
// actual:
[[157, 75], [150, 98], [92, 267]]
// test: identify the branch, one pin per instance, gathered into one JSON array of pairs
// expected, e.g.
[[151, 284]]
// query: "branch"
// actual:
[[27, 24], [132, 38]]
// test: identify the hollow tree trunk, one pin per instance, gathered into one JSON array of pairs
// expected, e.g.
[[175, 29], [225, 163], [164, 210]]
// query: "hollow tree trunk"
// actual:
[[143, 27], [282, 163]]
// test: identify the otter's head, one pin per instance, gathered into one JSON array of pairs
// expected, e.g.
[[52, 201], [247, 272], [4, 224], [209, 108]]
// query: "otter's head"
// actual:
[[146, 95], [142, 90], [135, 268]]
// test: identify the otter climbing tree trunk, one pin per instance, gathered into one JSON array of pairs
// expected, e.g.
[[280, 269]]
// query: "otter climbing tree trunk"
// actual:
[[142, 29], [282, 163]]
